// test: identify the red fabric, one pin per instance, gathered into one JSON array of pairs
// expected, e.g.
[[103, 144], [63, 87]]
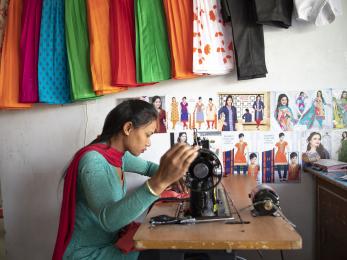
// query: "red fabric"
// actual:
[[67, 212], [125, 242], [174, 194]]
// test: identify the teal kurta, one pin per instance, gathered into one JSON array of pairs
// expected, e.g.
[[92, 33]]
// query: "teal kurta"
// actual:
[[102, 208]]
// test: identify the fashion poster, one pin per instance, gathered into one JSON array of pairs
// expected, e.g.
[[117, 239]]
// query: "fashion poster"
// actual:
[[243, 111], [339, 145], [159, 104], [187, 112], [316, 144], [339, 108]]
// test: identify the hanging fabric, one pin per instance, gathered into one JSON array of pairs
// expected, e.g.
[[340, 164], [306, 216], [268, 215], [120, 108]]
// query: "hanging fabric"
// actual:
[[212, 39], [10, 59], [99, 38], [29, 46], [77, 45], [152, 47], [179, 18], [3, 19], [53, 82]]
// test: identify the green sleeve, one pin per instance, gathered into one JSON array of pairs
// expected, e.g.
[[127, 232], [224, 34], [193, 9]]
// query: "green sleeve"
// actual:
[[104, 195], [135, 164]]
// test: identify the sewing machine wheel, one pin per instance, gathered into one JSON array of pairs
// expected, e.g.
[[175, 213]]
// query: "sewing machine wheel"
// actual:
[[205, 172]]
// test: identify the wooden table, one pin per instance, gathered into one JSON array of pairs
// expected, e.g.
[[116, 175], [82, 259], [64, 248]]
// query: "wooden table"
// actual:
[[266, 232]]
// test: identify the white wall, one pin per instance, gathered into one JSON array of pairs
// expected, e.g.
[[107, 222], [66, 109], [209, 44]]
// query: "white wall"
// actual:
[[37, 144]]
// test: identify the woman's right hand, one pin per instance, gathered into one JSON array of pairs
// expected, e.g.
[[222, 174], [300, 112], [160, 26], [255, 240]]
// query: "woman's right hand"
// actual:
[[173, 165]]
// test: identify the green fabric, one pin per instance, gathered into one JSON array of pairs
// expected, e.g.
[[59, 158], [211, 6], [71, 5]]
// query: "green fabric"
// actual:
[[152, 46], [77, 45], [102, 208], [343, 151]]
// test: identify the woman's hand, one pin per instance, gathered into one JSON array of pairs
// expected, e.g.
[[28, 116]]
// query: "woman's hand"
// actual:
[[173, 165]]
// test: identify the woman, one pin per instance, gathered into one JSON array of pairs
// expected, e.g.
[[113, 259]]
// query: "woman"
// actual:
[[230, 114], [315, 150], [340, 111], [258, 107], [174, 112], [342, 153], [184, 112], [316, 112], [281, 162], [240, 160], [182, 138], [199, 112], [94, 207], [211, 114], [161, 120], [283, 114], [300, 102]]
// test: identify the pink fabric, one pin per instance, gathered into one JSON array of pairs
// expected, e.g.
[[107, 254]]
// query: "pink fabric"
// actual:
[[29, 45]]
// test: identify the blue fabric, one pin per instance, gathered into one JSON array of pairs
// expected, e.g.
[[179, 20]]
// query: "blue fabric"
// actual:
[[247, 117], [52, 70], [258, 115], [225, 110], [268, 166]]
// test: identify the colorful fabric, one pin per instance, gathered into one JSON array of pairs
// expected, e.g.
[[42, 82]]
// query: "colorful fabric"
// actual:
[[280, 156], [174, 111], [212, 39], [268, 166], [184, 112], [340, 113], [152, 46], [211, 112], [10, 59], [53, 81], [161, 122], [285, 118], [342, 152], [294, 172], [179, 17], [3, 19], [77, 46], [240, 158], [199, 112], [29, 45], [258, 107], [99, 38], [315, 112], [228, 162]]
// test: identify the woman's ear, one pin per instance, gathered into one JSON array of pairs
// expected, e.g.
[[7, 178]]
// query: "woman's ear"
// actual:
[[127, 128]]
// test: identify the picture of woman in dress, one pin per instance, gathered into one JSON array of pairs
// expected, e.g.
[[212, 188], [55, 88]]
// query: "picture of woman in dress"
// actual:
[[294, 167], [315, 150], [199, 112], [182, 137], [258, 107], [300, 102], [283, 113], [230, 114], [211, 114], [342, 153], [316, 112], [240, 161], [174, 112], [253, 166], [340, 111], [184, 112], [281, 162], [161, 120]]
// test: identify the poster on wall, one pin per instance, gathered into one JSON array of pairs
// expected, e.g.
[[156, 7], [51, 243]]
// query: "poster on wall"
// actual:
[[189, 112], [159, 103], [243, 111], [339, 145], [339, 108]]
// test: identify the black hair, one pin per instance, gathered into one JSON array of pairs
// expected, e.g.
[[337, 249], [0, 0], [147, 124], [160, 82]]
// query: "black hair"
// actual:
[[154, 98], [293, 155], [226, 100], [247, 110], [258, 96], [199, 98], [343, 92], [210, 99], [241, 135], [280, 135], [252, 155], [302, 92], [344, 133], [138, 112], [321, 95], [179, 136], [320, 149]]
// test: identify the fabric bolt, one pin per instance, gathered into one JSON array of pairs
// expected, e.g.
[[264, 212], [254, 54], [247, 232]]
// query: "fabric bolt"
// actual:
[[29, 46], [248, 38], [77, 46], [213, 51], [99, 39], [10, 59], [53, 79], [276, 13], [179, 18], [152, 46], [3, 19], [319, 12]]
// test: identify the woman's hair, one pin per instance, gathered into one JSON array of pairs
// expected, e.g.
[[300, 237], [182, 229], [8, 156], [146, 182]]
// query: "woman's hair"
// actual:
[[279, 100], [280, 135], [320, 149], [138, 112], [226, 100], [321, 95], [252, 155], [302, 92], [155, 99], [344, 135], [343, 92], [180, 135], [241, 135], [258, 96], [293, 155]]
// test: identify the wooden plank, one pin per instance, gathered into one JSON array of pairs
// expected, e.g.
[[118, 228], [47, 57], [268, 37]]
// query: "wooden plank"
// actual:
[[265, 232]]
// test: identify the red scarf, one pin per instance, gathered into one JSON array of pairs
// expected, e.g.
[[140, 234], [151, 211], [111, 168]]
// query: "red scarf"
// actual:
[[67, 212]]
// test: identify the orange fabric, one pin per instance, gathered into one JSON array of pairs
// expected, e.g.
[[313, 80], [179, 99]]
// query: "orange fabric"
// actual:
[[10, 59], [280, 156], [240, 158], [253, 170], [100, 62], [179, 18]]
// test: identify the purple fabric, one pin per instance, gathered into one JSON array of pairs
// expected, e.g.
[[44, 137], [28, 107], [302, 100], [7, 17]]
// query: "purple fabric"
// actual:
[[29, 45]]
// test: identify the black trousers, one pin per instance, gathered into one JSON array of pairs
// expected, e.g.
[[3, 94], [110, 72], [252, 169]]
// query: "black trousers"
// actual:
[[248, 38]]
